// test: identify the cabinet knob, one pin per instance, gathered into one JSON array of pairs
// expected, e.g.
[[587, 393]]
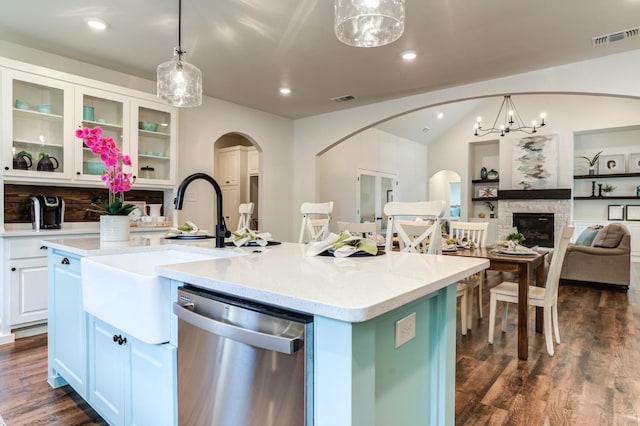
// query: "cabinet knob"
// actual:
[[65, 261], [43, 247], [135, 177], [6, 168], [13, 269], [78, 173], [117, 338]]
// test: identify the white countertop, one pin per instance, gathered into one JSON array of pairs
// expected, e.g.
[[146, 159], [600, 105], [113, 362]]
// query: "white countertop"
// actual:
[[347, 289]]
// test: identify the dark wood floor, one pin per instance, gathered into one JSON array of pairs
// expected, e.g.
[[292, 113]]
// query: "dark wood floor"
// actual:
[[593, 379]]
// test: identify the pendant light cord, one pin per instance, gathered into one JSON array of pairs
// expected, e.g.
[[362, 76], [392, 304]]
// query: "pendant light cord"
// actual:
[[180, 52]]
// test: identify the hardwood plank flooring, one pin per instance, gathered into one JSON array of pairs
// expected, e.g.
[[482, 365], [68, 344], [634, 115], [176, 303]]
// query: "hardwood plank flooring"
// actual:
[[593, 379]]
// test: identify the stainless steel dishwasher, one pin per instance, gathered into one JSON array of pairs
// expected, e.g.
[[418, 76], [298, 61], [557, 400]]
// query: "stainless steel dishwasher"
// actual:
[[241, 363]]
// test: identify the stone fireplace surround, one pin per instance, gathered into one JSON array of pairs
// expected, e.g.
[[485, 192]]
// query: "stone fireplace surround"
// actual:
[[560, 208]]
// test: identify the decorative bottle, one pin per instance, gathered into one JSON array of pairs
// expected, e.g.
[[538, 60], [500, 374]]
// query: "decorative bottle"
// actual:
[[483, 173]]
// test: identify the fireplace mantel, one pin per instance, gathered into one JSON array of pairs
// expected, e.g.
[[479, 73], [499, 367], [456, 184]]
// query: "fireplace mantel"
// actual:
[[535, 194]]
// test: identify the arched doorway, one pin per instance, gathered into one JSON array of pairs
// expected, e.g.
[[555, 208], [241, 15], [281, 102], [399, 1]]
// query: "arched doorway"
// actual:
[[237, 170]]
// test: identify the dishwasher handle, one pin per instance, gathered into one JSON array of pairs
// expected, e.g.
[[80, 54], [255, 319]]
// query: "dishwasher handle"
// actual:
[[286, 345]]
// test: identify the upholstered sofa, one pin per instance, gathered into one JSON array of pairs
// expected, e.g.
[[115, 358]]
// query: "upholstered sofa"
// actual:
[[605, 260]]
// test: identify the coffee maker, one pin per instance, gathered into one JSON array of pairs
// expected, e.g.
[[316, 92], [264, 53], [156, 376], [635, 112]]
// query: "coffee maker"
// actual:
[[47, 212]]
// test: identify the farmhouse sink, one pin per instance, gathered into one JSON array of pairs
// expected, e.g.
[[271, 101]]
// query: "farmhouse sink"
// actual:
[[125, 291]]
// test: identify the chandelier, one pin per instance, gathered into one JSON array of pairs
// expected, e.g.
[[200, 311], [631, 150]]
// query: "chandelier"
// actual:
[[369, 23], [179, 83], [511, 121]]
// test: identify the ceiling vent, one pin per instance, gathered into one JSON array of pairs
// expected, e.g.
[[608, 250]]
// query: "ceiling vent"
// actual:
[[620, 35], [343, 98]]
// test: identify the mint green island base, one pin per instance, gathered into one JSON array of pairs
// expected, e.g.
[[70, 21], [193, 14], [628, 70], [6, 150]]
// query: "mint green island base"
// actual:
[[360, 374], [361, 379]]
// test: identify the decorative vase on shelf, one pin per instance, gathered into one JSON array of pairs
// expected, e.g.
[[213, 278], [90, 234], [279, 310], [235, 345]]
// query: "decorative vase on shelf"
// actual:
[[592, 170], [492, 175], [483, 173], [114, 228]]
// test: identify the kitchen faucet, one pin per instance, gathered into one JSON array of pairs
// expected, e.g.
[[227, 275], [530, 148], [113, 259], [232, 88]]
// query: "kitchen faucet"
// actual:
[[221, 227]]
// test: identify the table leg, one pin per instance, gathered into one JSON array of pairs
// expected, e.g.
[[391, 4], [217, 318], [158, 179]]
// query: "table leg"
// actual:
[[540, 282], [523, 306]]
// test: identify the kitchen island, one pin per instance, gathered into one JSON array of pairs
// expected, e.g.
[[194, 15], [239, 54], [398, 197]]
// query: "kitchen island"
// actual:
[[361, 373]]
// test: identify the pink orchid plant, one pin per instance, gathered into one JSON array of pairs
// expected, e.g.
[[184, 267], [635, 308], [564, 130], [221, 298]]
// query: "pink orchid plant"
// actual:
[[117, 181]]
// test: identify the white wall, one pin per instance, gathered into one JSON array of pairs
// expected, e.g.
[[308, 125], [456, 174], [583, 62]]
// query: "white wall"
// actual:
[[372, 150], [614, 74], [201, 127]]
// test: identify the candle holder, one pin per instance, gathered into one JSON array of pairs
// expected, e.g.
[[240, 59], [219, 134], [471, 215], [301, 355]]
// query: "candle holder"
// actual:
[[599, 190], [593, 189]]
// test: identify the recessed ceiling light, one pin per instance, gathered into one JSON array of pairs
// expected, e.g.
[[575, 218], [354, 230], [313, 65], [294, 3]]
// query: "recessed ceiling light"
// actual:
[[440, 115], [285, 91], [409, 56], [97, 24]]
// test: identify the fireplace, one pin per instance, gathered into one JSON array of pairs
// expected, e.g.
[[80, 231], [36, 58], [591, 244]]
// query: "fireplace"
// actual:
[[537, 228]]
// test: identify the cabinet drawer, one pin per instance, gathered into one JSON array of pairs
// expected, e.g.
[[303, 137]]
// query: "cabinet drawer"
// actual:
[[20, 248]]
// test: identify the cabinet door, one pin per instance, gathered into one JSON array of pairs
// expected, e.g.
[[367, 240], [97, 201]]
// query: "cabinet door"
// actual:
[[67, 324], [28, 290], [253, 162], [231, 201], [108, 370], [153, 372], [108, 110], [37, 122], [229, 167], [153, 142]]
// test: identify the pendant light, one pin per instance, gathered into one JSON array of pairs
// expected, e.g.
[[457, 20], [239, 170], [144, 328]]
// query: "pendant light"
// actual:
[[369, 23], [179, 82]]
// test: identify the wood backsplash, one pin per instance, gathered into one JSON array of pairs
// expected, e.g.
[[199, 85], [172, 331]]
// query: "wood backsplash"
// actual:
[[76, 201]]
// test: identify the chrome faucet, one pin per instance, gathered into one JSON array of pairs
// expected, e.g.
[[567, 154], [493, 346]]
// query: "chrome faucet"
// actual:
[[221, 227]]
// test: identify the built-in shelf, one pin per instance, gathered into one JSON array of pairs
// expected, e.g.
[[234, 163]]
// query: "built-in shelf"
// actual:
[[485, 181], [614, 175], [484, 199], [610, 197]]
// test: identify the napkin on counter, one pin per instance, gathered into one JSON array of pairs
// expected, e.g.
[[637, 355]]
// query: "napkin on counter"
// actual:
[[246, 235], [342, 245]]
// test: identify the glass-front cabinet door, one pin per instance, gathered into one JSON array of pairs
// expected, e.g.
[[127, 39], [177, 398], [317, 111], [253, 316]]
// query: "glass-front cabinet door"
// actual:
[[153, 139], [109, 111], [36, 129]]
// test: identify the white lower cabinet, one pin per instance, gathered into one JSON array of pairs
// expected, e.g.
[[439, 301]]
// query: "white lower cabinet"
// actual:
[[130, 382], [67, 324], [28, 290]]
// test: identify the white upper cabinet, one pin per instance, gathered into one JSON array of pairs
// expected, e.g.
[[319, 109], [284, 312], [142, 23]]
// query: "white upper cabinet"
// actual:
[[40, 116], [110, 111], [153, 139], [37, 126]]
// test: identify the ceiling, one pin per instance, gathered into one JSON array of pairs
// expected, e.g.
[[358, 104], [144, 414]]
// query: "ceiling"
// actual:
[[248, 49]]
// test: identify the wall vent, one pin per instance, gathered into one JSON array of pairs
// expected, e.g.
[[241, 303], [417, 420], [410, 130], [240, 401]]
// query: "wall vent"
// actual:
[[346, 98], [617, 36]]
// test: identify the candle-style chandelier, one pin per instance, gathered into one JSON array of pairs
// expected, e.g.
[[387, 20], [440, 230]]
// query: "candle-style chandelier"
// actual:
[[511, 121]]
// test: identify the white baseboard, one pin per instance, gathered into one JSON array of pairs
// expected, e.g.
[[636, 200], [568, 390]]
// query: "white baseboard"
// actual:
[[30, 331], [7, 338]]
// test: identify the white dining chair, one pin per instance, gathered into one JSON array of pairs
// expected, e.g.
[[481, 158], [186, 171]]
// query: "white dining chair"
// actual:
[[414, 235], [475, 232], [245, 211], [361, 229], [544, 297], [316, 218]]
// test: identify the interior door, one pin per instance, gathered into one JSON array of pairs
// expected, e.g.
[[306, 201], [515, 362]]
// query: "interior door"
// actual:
[[374, 190]]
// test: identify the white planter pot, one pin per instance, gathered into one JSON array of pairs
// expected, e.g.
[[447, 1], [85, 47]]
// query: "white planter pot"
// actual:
[[114, 228]]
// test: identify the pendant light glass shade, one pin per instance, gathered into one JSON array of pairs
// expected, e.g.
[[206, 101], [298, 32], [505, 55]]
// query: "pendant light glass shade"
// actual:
[[179, 82], [369, 23]]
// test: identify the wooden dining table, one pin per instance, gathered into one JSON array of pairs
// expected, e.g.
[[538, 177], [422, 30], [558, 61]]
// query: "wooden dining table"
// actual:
[[530, 270]]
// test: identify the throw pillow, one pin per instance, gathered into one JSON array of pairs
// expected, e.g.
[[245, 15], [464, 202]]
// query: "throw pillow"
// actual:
[[588, 235], [609, 236]]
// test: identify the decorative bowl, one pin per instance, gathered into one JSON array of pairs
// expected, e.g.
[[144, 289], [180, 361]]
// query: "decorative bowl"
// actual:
[[93, 167], [44, 108], [148, 126], [20, 104]]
